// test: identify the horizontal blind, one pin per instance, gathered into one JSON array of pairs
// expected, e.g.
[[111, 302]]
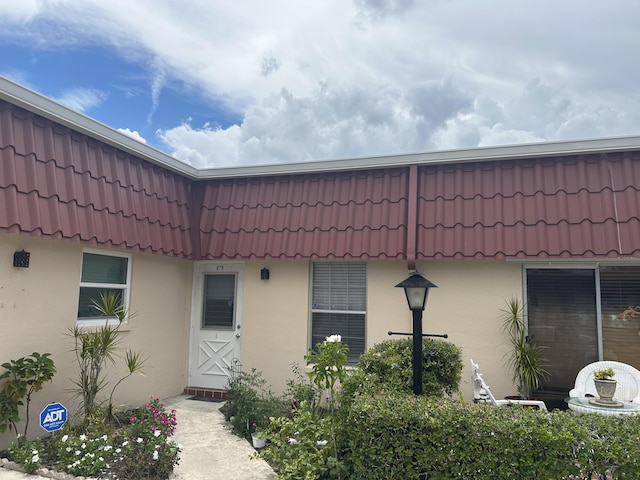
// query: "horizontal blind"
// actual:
[[340, 286], [620, 304], [339, 303]]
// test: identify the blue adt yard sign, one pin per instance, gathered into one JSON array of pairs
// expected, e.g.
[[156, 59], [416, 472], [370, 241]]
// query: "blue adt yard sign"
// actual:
[[53, 417]]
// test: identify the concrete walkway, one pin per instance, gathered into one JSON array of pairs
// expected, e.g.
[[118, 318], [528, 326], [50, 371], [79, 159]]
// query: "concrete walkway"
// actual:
[[209, 449]]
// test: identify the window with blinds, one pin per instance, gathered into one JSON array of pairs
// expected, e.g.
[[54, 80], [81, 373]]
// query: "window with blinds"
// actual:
[[339, 304], [561, 311], [101, 274], [620, 304]]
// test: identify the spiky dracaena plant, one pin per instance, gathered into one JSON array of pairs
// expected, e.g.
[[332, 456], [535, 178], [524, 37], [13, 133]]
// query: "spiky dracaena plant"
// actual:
[[94, 349], [526, 359]]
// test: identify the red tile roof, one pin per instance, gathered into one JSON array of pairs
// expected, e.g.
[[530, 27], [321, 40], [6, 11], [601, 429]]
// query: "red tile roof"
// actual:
[[329, 215], [577, 206], [62, 183], [57, 183]]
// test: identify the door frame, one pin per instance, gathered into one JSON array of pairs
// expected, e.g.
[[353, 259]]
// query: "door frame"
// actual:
[[201, 269]]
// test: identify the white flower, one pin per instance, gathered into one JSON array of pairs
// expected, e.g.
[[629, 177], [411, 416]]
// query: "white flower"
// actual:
[[118, 450], [322, 443], [35, 458], [157, 433], [77, 452], [155, 454], [83, 437], [125, 443], [139, 440], [65, 438], [334, 338], [293, 441]]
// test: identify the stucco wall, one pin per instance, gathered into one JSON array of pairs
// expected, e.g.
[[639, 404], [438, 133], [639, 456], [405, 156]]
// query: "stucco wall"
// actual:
[[38, 306], [465, 305]]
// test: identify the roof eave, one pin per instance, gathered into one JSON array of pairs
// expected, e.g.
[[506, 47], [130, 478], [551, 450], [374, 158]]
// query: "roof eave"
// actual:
[[56, 112], [476, 154]]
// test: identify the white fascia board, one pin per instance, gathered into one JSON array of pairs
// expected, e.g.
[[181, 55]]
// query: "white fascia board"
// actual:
[[478, 154], [56, 112]]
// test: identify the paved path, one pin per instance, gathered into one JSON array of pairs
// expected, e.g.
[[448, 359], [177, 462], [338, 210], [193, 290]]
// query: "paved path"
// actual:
[[209, 449]]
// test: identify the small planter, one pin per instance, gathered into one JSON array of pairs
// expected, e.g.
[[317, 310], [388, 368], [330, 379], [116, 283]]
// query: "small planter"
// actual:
[[606, 389], [257, 441]]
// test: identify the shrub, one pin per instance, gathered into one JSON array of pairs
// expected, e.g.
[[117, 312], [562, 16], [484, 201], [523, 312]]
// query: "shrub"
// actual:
[[250, 403], [142, 448], [388, 366], [28, 454], [303, 446], [21, 378]]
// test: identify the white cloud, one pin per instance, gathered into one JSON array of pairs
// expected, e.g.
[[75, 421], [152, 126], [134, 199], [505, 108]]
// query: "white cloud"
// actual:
[[133, 134], [333, 79], [82, 99]]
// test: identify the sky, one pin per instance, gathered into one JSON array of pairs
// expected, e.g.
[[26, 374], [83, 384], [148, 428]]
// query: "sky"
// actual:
[[219, 83]]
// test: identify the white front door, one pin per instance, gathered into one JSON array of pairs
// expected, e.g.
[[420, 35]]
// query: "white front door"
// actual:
[[216, 324]]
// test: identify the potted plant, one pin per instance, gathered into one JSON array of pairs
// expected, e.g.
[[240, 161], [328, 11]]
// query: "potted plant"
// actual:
[[605, 385], [525, 360]]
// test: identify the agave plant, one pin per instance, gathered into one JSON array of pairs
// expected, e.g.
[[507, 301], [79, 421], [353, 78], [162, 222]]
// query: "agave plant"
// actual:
[[526, 359]]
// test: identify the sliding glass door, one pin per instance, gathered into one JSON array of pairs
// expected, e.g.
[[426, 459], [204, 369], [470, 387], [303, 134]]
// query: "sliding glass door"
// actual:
[[562, 309], [562, 316]]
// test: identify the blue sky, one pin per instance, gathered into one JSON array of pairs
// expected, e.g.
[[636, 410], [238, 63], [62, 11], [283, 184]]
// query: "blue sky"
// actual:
[[218, 83]]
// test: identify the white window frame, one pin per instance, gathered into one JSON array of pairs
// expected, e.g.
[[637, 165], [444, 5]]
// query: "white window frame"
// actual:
[[126, 288]]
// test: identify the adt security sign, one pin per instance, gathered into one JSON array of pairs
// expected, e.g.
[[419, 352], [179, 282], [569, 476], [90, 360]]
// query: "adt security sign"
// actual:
[[53, 417]]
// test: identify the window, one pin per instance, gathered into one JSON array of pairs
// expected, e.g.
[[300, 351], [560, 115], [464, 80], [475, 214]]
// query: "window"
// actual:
[[218, 304], [339, 304], [101, 274], [582, 315]]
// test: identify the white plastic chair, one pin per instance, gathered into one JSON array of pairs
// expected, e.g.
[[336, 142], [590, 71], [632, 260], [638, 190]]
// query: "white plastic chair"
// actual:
[[482, 392], [628, 378]]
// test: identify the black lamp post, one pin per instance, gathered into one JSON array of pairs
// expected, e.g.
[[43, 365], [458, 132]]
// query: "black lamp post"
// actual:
[[416, 288]]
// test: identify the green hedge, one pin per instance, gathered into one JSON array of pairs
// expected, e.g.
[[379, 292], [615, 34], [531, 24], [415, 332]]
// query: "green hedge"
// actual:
[[399, 436]]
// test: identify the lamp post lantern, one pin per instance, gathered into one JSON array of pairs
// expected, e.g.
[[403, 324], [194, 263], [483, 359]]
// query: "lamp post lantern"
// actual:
[[416, 288]]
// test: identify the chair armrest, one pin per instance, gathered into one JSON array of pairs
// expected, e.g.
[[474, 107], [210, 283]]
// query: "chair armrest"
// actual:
[[574, 392], [636, 400]]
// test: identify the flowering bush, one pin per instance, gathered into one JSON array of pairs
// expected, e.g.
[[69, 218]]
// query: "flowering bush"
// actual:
[[148, 450], [141, 449], [27, 453], [83, 456]]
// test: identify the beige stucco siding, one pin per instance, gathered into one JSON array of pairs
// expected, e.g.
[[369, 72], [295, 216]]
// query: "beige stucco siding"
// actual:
[[38, 306], [465, 305]]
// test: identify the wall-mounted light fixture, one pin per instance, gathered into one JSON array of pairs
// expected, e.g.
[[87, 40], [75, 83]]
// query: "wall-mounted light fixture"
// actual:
[[21, 259], [264, 274]]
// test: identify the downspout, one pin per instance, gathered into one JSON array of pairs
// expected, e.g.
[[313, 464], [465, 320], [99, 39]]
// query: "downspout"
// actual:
[[195, 213], [412, 217]]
